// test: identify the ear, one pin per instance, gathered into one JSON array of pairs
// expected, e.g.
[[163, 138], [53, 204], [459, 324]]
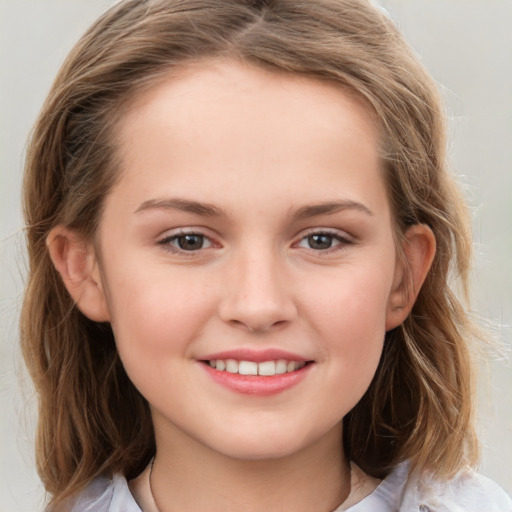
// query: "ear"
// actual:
[[76, 262], [419, 248]]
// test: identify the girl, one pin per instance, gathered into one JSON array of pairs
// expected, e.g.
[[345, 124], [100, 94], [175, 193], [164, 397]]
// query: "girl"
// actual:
[[241, 230]]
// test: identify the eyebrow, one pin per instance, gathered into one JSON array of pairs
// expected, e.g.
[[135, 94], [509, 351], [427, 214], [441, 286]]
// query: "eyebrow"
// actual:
[[209, 210], [329, 208], [184, 205]]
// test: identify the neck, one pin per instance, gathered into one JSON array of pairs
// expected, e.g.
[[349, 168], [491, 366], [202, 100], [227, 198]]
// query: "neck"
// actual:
[[198, 479]]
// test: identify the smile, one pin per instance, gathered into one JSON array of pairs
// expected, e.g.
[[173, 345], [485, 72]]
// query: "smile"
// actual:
[[263, 368], [257, 373]]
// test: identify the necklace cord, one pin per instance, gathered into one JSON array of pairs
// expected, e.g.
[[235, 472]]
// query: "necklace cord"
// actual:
[[150, 485], [157, 509]]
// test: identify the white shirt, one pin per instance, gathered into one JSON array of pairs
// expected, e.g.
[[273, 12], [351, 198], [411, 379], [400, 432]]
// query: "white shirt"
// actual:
[[468, 492]]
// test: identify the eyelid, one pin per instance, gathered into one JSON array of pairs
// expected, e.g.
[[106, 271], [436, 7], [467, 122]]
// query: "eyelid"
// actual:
[[343, 238], [338, 233], [173, 234]]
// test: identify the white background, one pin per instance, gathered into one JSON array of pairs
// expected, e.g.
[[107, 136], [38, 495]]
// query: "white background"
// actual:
[[467, 46]]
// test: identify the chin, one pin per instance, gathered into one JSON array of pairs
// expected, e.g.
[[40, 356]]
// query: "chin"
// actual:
[[261, 453], [263, 445]]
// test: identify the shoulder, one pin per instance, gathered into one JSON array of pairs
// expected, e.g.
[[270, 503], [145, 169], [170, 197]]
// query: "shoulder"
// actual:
[[106, 495], [468, 491]]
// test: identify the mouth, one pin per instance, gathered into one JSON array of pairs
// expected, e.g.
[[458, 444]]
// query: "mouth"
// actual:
[[260, 373], [263, 368]]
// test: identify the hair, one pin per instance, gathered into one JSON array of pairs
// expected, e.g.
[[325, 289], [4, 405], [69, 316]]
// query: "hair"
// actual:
[[92, 420]]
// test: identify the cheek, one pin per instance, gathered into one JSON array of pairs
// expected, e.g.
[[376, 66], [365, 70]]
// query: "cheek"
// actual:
[[352, 302], [349, 317], [156, 318]]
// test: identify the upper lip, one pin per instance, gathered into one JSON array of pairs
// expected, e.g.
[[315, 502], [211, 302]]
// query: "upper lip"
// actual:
[[256, 356]]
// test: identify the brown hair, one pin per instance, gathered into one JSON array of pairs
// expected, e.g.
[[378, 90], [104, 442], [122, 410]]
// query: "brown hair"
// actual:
[[92, 420]]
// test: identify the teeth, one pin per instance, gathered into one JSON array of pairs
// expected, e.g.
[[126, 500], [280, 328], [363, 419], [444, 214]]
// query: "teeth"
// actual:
[[247, 368], [231, 366], [281, 366], [266, 368]]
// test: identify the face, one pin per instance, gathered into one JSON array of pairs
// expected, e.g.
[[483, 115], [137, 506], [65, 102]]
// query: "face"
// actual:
[[250, 232]]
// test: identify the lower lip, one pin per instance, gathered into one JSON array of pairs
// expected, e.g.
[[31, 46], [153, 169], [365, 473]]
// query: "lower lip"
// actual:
[[255, 384]]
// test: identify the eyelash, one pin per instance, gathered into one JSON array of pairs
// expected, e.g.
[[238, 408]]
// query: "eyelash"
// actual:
[[168, 240], [342, 241]]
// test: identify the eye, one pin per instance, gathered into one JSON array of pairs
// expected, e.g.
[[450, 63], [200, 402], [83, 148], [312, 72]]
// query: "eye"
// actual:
[[323, 241], [186, 242]]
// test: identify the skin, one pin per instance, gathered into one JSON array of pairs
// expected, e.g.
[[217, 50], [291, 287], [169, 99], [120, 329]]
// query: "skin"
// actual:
[[256, 151]]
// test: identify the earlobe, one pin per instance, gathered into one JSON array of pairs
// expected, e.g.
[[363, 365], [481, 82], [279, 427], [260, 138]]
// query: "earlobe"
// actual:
[[419, 249], [76, 263]]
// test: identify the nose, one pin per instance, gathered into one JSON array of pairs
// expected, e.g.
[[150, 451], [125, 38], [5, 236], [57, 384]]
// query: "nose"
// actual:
[[257, 295]]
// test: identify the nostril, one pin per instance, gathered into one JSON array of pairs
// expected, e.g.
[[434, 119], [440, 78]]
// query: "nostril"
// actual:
[[271, 326], [257, 313]]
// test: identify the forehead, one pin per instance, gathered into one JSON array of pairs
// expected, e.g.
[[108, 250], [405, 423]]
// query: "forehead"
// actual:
[[223, 76], [231, 122], [226, 91]]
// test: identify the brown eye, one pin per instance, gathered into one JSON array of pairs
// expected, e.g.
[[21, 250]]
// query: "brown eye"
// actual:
[[190, 242], [321, 241], [186, 242]]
